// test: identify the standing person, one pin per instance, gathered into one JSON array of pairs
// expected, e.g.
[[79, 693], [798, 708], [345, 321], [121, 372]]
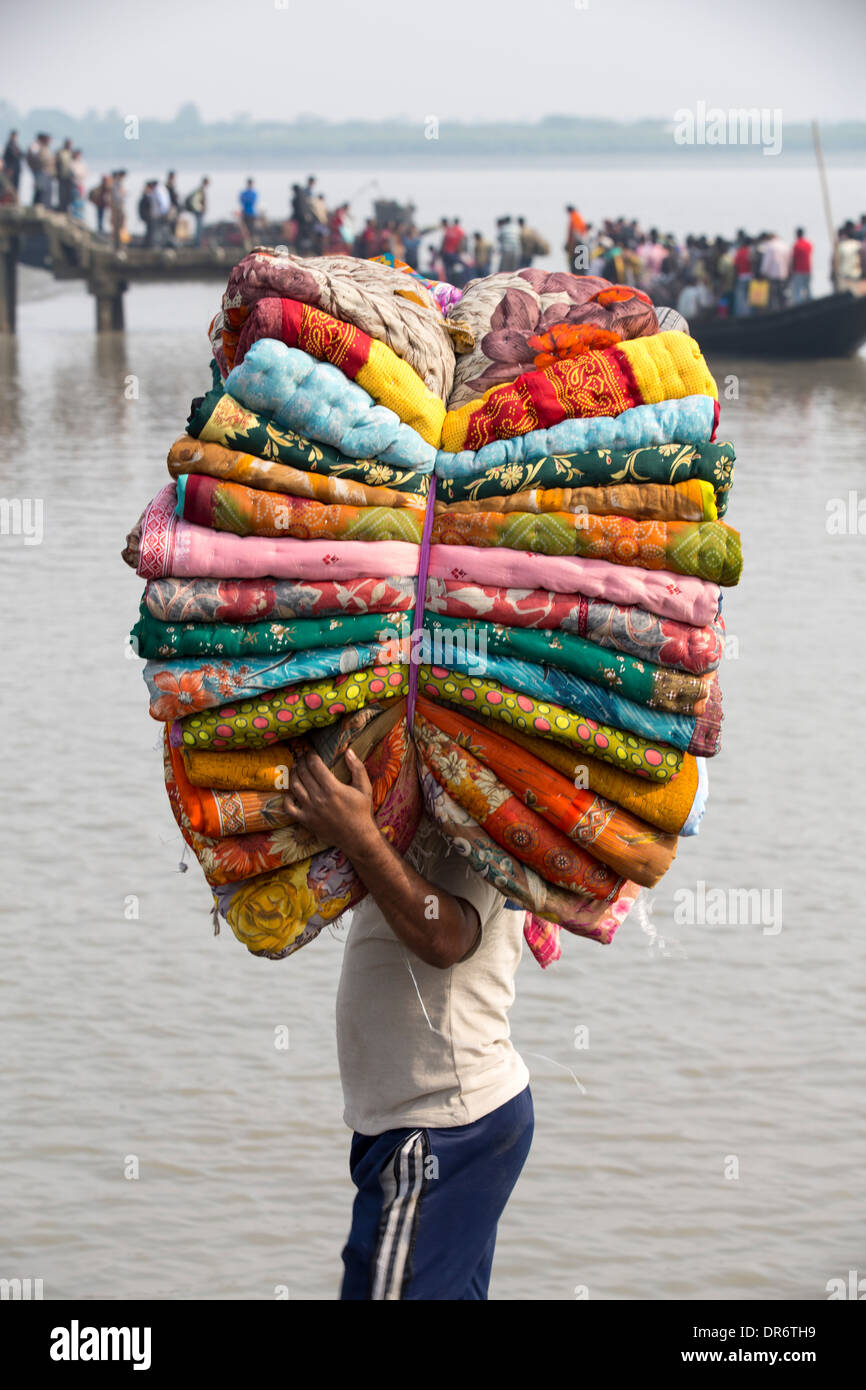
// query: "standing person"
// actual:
[[847, 269], [100, 197], [63, 170], [162, 228], [78, 171], [532, 243], [174, 203], [508, 242], [453, 242], [776, 267], [118, 208], [743, 273], [248, 199], [436, 1095], [482, 254], [147, 211], [12, 157], [42, 165], [801, 268], [196, 203], [575, 235]]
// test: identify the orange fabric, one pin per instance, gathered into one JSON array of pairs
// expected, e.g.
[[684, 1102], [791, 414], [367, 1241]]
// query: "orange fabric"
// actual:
[[634, 848]]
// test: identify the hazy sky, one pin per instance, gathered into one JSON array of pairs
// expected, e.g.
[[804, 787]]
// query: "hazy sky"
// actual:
[[449, 58]]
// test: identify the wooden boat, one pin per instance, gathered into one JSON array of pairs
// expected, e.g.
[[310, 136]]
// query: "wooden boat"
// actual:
[[834, 326]]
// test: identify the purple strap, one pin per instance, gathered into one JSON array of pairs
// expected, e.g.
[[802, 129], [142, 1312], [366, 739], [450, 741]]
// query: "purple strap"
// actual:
[[420, 599]]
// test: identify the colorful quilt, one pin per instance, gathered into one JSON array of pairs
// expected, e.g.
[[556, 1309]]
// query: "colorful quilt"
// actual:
[[247, 511], [691, 501], [246, 601], [383, 375], [646, 371], [522, 320]]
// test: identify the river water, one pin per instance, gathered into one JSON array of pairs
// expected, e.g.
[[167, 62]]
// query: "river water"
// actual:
[[697, 1087]]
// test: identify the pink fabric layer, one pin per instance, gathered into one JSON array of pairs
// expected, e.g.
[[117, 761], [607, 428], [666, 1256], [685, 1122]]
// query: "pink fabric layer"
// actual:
[[170, 546], [688, 599]]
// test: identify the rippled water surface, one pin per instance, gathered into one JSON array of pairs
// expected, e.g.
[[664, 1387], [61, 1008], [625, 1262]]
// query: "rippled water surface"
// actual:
[[130, 1033]]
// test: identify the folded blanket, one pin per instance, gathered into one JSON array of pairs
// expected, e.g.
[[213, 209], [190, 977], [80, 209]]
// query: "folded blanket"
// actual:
[[645, 371], [246, 511], [631, 677], [184, 685], [596, 468], [316, 399], [485, 697], [699, 734], [689, 421], [234, 857], [579, 915], [151, 638], [667, 805], [521, 320], [383, 375], [379, 299], [275, 914], [617, 627], [682, 597], [690, 501], [296, 710], [514, 826], [188, 455], [634, 848], [243, 601], [217, 418], [162, 544], [709, 549]]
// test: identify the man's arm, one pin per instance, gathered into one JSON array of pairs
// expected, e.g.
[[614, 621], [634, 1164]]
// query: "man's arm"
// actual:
[[438, 927]]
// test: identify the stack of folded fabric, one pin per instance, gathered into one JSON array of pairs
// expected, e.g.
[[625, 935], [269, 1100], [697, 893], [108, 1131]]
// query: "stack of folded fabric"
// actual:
[[496, 575]]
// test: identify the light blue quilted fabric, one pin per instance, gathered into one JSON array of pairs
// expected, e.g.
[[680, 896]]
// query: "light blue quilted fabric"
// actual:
[[687, 421], [316, 400]]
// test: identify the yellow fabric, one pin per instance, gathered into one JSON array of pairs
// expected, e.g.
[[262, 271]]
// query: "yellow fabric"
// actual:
[[692, 500], [669, 366], [392, 382]]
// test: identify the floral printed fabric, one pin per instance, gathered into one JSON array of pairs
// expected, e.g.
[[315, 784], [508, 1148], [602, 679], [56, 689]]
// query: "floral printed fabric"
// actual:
[[617, 627], [647, 371], [520, 319], [274, 914], [388, 380], [175, 600], [656, 463], [690, 501], [655, 686], [633, 847], [579, 915], [317, 400], [218, 418], [380, 299], [188, 455], [699, 734], [689, 421], [508, 821], [151, 638], [182, 686]]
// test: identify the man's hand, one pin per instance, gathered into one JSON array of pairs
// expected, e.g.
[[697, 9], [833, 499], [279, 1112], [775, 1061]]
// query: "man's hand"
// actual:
[[340, 815]]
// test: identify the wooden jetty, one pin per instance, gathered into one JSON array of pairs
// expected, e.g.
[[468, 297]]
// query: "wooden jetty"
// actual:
[[75, 252]]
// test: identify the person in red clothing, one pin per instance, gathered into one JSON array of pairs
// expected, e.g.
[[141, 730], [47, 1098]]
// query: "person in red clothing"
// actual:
[[453, 241], [801, 268], [743, 273]]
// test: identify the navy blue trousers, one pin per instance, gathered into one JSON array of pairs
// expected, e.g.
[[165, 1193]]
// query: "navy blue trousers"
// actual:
[[428, 1203]]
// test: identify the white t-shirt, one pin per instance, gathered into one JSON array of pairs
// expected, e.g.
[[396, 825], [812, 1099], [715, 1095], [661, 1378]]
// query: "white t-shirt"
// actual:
[[444, 1058]]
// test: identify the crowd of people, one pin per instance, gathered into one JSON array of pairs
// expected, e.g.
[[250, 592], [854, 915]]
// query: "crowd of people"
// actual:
[[701, 276]]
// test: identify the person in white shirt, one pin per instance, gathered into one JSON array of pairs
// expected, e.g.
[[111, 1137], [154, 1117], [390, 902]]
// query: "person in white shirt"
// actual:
[[434, 1090]]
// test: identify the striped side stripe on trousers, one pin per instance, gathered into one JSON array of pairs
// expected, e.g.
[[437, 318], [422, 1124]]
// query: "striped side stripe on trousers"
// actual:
[[402, 1181]]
